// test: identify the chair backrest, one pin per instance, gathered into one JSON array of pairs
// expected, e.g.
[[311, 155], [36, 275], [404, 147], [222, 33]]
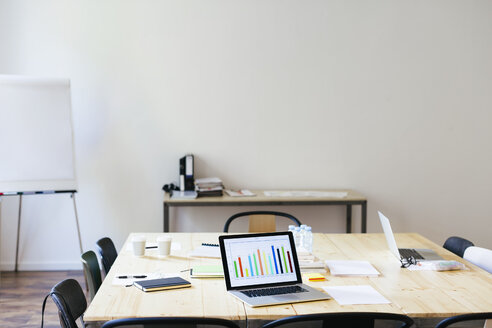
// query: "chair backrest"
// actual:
[[107, 251], [345, 320], [70, 300], [261, 221], [457, 245], [170, 321], [92, 272], [464, 317], [481, 257]]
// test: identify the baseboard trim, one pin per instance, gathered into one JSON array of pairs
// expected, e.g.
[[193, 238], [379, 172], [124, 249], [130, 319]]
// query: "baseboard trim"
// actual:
[[41, 266]]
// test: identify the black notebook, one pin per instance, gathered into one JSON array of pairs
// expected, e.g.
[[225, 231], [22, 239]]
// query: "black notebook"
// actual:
[[162, 283]]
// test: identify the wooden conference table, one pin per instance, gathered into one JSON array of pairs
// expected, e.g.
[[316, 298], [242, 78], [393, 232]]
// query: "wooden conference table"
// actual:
[[419, 294], [352, 198]]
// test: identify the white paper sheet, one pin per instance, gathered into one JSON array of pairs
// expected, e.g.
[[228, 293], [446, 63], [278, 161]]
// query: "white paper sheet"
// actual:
[[239, 193], [356, 294], [302, 193]]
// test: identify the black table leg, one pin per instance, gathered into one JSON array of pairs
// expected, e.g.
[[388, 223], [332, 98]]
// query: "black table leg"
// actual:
[[166, 217], [363, 215], [349, 219]]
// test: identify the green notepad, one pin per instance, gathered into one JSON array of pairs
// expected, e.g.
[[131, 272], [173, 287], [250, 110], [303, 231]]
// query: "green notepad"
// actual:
[[207, 271]]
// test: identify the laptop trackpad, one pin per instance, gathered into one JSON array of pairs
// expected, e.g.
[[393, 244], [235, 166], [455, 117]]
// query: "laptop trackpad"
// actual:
[[286, 298], [428, 254]]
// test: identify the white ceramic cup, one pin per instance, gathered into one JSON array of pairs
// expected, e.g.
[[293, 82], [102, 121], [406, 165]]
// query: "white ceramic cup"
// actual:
[[164, 245], [138, 243]]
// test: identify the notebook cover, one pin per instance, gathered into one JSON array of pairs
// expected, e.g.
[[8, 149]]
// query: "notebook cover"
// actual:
[[162, 283]]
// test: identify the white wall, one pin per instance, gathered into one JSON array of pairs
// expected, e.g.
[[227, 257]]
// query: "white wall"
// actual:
[[390, 98]]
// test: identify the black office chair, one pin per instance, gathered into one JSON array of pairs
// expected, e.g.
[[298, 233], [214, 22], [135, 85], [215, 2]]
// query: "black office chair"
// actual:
[[108, 253], [464, 317], [344, 320], [70, 301], [170, 322], [457, 245], [261, 221], [92, 272]]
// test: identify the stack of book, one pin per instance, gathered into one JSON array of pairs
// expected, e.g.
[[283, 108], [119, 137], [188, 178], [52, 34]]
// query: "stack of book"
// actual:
[[309, 262], [209, 187]]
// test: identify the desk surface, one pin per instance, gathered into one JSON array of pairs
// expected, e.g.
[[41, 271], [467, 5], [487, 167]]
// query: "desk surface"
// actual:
[[261, 198], [415, 293]]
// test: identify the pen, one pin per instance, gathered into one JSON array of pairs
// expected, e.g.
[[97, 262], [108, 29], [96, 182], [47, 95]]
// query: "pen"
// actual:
[[126, 277], [149, 247]]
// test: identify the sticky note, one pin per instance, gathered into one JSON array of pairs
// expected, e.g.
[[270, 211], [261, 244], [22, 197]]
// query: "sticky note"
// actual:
[[314, 276]]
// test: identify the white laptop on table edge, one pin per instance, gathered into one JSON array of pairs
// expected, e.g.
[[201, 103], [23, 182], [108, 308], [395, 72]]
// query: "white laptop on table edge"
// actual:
[[425, 254], [254, 264]]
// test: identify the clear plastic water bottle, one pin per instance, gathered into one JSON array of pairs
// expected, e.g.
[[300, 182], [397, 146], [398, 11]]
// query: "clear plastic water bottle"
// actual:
[[302, 237], [308, 239], [297, 237]]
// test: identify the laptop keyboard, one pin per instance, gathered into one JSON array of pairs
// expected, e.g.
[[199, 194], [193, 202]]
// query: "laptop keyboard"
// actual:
[[273, 291], [409, 252]]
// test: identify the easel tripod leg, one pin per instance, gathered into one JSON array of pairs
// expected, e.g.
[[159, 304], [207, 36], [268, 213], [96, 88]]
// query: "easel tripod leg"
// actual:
[[80, 239], [18, 233], [77, 222]]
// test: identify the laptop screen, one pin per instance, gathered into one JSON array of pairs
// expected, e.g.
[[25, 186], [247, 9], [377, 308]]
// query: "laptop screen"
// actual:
[[390, 237], [259, 260]]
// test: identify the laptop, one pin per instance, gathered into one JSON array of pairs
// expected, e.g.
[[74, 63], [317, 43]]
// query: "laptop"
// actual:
[[263, 269], [419, 254]]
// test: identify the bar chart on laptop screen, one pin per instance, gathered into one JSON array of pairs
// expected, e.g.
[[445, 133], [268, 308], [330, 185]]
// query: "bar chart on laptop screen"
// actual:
[[260, 260]]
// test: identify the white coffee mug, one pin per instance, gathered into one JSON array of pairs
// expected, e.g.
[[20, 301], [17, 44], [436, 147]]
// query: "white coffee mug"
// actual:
[[164, 245], [138, 243]]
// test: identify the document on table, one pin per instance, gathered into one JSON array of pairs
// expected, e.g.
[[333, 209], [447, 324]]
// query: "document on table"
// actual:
[[357, 294], [239, 193], [302, 193], [351, 268]]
